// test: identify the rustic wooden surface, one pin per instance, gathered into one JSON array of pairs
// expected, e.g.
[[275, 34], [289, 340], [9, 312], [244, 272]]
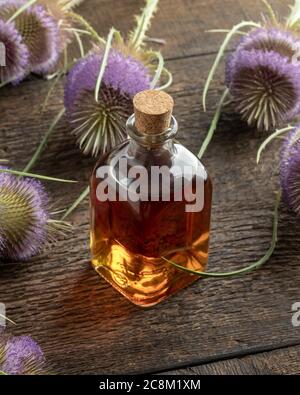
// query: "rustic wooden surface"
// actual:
[[240, 325]]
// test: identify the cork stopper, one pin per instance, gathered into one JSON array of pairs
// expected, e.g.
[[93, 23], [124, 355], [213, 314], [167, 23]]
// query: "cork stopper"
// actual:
[[153, 111]]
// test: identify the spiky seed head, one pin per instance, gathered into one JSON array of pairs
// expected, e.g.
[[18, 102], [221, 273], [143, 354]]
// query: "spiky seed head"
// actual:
[[99, 126], [39, 31], [265, 87], [23, 217], [290, 169], [16, 54], [20, 355]]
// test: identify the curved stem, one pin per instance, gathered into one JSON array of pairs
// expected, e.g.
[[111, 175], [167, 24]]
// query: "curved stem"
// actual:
[[269, 139], [249, 268], [38, 176], [143, 23], [80, 198], [7, 319], [44, 141], [108, 45], [222, 49], [213, 125], [89, 28], [271, 12], [21, 10], [2, 373], [169, 81], [159, 69]]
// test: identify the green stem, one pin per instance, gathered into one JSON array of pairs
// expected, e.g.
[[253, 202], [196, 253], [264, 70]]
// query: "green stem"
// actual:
[[269, 139], [213, 125], [44, 141], [108, 45], [80, 198], [38, 176], [21, 9], [143, 23], [159, 69], [247, 269], [169, 81], [224, 31], [271, 12], [89, 28], [2, 373], [222, 49], [7, 319]]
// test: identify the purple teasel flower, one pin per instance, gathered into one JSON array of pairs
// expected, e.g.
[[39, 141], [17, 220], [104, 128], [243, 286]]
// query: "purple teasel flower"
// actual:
[[283, 42], [99, 126], [20, 355], [290, 169], [39, 31], [16, 54], [265, 85], [23, 217]]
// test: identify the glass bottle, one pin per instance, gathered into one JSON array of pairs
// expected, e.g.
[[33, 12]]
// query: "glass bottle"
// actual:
[[150, 200]]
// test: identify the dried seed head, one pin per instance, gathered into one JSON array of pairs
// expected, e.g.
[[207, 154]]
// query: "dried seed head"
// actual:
[[263, 77], [99, 126], [39, 31], [16, 54], [265, 87], [290, 169], [20, 355], [23, 217]]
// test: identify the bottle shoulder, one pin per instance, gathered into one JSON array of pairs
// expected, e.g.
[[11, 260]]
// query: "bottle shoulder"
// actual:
[[173, 155]]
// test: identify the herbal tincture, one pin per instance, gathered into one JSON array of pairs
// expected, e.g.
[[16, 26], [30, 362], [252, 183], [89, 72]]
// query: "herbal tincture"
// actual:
[[150, 199]]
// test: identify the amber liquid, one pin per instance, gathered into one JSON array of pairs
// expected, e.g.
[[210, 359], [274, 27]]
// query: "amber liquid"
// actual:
[[129, 239]]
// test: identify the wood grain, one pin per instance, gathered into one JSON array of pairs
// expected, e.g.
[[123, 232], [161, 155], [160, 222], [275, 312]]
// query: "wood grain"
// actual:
[[82, 324], [283, 361]]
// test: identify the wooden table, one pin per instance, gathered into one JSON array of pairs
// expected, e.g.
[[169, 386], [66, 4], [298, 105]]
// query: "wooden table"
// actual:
[[240, 325]]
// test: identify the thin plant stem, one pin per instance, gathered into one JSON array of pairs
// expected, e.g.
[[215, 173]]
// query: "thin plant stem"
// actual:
[[57, 77], [38, 176], [271, 12], [220, 54], [224, 31], [159, 69], [271, 138], [7, 319], [294, 16], [213, 125], [108, 45], [137, 37], [89, 28], [44, 141], [169, 81], [249, 268], [80, 198], [2, 373], [80, 45], [21, 10]]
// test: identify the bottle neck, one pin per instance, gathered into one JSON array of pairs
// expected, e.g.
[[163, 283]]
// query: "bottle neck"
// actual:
[[151, 140]]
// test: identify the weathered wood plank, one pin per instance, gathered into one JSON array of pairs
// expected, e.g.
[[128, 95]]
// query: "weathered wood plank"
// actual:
[[181, 23], [85, 326], [283, 362]]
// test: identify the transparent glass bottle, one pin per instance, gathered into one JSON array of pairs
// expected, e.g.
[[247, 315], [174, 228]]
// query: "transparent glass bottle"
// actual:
[[132, 232]]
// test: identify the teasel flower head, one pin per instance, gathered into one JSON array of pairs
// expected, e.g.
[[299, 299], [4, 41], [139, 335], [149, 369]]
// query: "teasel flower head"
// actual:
[[23, 217], [16, 54], [99, 126], [290, 169], [264, 82], [39, 31], [20, 355]]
